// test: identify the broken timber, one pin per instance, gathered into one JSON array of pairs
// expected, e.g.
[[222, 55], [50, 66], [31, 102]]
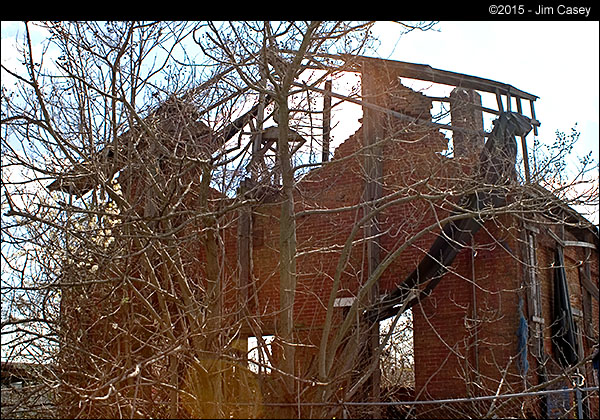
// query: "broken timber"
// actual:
[[80, 180], [496, 163]]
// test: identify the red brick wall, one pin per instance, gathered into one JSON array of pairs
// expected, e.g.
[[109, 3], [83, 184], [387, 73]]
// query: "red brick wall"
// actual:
[[467, 323], [463, 324], [465, 332]]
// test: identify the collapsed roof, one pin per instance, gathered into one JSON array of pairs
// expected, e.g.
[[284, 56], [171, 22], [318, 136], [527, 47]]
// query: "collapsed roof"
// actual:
[[81, 179]]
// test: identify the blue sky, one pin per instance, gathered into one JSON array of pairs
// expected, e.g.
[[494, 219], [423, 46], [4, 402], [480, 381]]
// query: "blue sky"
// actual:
[[555, 60]]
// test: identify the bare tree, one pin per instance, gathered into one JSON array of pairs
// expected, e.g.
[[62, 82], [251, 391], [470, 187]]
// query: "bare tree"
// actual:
[[107, 264], [143, 164]]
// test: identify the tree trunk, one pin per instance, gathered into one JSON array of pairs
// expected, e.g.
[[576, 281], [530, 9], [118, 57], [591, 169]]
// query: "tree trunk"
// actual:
[[287, 246]]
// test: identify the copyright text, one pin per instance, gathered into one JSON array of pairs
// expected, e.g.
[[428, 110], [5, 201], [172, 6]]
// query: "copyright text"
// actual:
[[541, 10]]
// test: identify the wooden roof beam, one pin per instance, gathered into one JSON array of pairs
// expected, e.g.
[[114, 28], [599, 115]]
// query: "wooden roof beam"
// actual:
[[430, 74]]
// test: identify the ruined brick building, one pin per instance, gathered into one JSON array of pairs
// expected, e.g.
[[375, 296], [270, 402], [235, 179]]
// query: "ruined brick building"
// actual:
[[484, 320]]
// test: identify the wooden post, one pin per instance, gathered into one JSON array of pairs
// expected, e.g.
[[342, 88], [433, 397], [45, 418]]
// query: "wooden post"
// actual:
[[373, 130], [533, 117], [524, 148], [258, 160], [326, 121], [244, 243], [499, 100]]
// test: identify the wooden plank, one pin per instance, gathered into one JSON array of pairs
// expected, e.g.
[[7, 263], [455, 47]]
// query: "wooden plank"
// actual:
[[373, 131], [531, 106], [564, 243], [343, 302], [404, 117], [244, 251], [534, 122], [531, 227], [428, 73], [424, 72], [525, 160], [579, 243], [538, 319], [524, 147], [326, 121], [499, 100]]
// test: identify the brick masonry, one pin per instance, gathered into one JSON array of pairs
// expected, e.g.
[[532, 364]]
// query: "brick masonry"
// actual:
[[465, 332]]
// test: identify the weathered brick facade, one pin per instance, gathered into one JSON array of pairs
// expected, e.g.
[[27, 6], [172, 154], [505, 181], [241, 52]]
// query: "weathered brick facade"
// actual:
[[466, 333]]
